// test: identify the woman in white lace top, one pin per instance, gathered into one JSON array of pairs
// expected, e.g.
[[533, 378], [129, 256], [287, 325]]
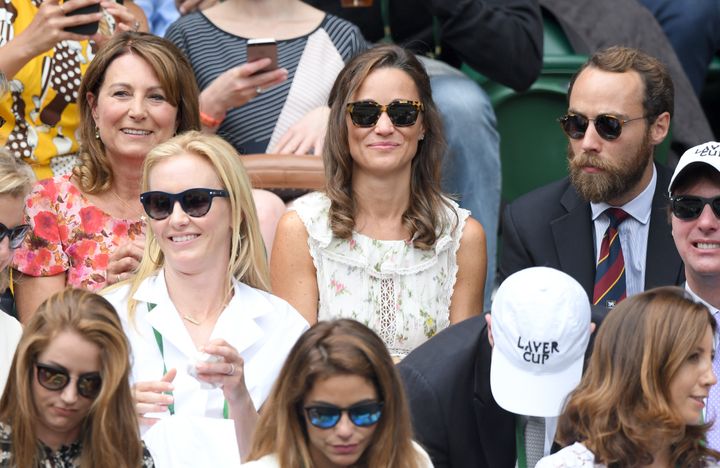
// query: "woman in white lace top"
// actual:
[[641, 400], [382, 244]]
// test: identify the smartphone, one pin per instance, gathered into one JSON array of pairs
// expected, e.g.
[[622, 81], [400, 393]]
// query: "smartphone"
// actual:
[[87, 29], [262, 48]]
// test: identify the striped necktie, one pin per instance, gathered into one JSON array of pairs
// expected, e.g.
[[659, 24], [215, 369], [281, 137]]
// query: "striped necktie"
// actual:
[[610, 269]]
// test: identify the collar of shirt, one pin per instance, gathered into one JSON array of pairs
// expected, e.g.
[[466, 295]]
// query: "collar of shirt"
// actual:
[[639, 207]]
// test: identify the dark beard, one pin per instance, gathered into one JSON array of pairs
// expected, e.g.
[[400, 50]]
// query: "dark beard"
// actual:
[[615, 181]]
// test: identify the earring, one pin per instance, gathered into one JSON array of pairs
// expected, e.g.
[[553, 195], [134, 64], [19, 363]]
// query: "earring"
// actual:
[[422, 137], [97, 133]]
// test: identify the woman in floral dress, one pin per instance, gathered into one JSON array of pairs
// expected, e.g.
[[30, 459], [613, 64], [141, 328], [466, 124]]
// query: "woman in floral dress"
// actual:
[[386, 247], [87, 229]]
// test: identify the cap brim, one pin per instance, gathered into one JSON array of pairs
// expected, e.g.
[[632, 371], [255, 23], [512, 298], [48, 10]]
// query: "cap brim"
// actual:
[[521, 392]]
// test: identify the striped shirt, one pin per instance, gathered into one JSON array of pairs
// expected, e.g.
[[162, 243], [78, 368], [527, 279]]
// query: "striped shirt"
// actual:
[[212, 51]]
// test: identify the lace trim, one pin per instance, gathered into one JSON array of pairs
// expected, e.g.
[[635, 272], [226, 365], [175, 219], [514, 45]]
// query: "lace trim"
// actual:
[[387, 323]]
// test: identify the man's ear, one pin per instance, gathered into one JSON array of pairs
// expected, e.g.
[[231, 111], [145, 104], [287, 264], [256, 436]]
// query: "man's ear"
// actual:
[[660, 128]]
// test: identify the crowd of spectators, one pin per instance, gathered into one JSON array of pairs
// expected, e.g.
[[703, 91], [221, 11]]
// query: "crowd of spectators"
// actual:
[[158, 310]]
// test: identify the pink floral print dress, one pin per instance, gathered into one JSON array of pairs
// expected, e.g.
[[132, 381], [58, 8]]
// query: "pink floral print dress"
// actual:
[[70, 235]]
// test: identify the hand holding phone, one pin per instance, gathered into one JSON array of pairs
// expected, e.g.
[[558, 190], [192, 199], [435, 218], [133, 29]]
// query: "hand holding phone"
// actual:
[[263, 48], [86, 29]]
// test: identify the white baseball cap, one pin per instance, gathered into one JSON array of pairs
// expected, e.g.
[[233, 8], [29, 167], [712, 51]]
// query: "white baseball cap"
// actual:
[[541, 329], [707, 153]]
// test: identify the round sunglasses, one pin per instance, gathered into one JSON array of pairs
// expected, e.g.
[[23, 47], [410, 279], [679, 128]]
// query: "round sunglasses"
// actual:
[[608, 126], [15, 234], [326, 416], [56, 378], [402, 113], [196, 202], [691, 207]]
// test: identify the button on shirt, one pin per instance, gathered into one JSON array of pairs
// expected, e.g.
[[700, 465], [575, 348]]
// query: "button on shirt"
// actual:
[[633, 234]]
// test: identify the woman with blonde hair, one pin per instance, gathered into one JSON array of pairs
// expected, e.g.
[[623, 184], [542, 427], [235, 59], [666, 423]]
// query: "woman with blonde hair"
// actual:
[[68, 400], [337, 402], [382, 244], [641, 400], [15, 181], [201, 287], [87, 229]]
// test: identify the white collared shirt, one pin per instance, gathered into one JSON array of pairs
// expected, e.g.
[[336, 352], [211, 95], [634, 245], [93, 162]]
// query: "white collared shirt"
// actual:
[[261, 327], [633, 234]]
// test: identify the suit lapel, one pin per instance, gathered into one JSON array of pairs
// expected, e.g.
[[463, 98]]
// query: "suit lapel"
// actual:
[[663, 265], [573, 237]]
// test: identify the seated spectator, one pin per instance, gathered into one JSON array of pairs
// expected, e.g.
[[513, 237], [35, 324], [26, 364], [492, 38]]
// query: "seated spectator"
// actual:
[[87, 229], [43, 64], [382, 245], [641, 400], [338, 402], [696, 232], [201, 287], [68, 400], [15, 182], [259, 110], [479, 33], [473, 406]]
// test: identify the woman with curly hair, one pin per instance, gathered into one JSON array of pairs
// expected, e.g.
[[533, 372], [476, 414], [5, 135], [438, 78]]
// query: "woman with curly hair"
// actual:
[[337, 402], [87, 230], [641, 400], [68, 401], [382, 244]]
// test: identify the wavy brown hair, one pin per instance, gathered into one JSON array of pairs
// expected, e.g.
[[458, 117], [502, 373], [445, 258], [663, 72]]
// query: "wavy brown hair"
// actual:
[[93, 172], [622, 410], [330, 348], [425, 212], [109, 435]]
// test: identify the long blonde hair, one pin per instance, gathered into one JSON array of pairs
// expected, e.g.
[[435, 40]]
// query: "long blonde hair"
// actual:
[[109, 435], [16, 180], [248, 262]]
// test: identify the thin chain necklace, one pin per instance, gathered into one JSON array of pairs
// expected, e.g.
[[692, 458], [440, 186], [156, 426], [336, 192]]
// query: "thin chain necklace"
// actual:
[[128, 208], [195, 321]]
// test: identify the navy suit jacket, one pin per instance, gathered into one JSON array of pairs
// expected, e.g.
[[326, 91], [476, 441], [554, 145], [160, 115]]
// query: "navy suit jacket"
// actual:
[[455, 416], [552, 226]]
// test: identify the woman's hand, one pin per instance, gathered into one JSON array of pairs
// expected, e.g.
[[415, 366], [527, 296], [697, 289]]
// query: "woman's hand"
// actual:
[[125, 260], [150, 397], [48, 25], [237, 86], [126, 19], [307, 134], [229, 373]]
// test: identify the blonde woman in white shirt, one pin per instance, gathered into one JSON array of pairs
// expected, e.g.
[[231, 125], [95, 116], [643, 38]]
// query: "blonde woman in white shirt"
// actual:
[[202, 288]]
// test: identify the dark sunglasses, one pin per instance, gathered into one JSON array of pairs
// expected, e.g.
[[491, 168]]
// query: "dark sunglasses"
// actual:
[[16, 234], [361, 414], [196, 202], [402, 113], [55, 379], [690, 207], [607, 126]]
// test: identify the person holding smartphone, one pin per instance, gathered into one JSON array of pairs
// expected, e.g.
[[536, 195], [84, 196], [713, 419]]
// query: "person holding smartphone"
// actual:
[[254, 107], [45, 48]]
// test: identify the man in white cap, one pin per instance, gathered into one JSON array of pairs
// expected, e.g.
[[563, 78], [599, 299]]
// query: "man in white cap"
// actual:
[[466, 411], [695, 217]]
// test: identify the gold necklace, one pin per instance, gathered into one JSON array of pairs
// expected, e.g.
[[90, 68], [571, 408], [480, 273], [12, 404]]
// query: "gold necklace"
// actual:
[[196, 322], [128, 208]]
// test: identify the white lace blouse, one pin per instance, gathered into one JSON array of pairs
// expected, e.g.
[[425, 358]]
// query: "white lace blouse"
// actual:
[[401, 292]]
